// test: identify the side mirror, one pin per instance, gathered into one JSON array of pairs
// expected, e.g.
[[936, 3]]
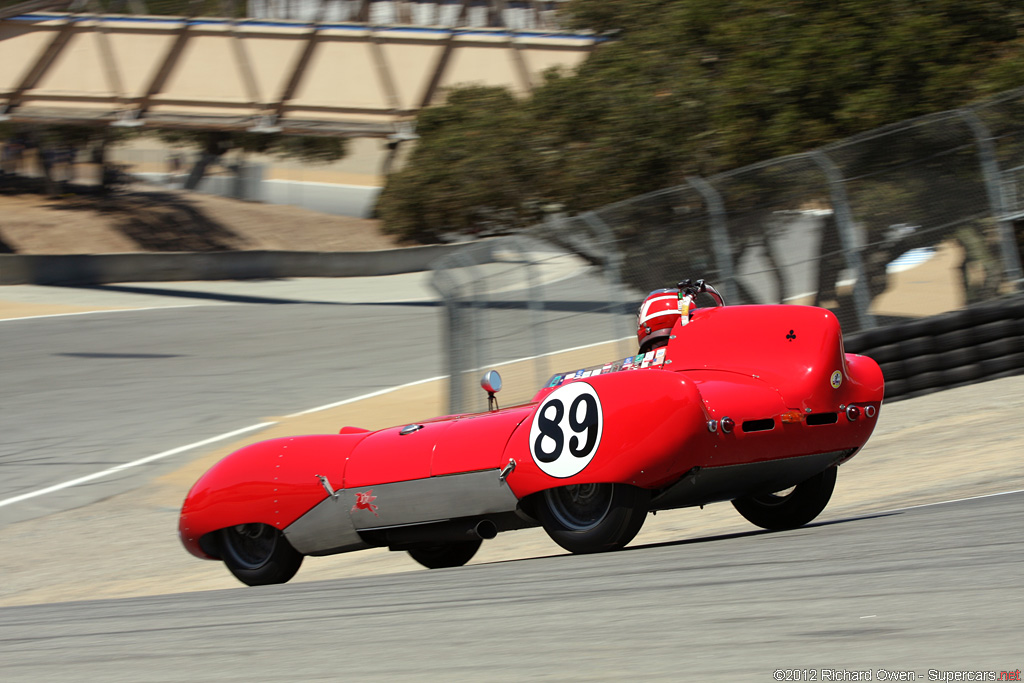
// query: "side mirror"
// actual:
[[491, 383]]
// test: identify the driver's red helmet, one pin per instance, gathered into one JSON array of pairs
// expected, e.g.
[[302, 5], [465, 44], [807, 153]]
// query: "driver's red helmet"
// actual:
[[656, 318]]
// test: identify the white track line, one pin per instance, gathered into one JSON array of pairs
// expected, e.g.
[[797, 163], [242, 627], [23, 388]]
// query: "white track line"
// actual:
[[228, 435], [134, 463], [109, 310], [955, 500], [200, 444], [382, 392], [335, 404], [550, 353], [374, 394]]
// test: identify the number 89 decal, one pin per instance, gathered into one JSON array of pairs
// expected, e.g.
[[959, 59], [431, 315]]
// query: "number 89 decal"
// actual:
[[566, 430]]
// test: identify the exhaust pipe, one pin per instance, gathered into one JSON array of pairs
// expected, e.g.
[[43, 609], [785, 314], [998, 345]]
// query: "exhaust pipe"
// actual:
[[452, 531]]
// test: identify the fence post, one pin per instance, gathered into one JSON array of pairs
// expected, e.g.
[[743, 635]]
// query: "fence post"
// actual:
[[612, 270], [996, 197], [535, 304], [466, 344], [444, 284], [719, 235], [848, 236]]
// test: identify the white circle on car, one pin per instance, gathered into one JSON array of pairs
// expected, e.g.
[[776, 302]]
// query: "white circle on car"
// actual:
[[566, 430]]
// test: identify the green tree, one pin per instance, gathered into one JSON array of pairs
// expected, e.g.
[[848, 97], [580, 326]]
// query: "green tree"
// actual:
[[214, 144], [478, 166], [686, 87]]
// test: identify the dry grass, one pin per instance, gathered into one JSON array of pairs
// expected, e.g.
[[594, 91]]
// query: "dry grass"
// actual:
[[142, 218]]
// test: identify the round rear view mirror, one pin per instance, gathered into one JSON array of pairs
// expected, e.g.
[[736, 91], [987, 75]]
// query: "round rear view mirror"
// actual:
[[491, 382]]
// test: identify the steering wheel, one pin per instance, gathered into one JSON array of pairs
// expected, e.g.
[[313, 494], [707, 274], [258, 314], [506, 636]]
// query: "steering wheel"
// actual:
[[698, 287]]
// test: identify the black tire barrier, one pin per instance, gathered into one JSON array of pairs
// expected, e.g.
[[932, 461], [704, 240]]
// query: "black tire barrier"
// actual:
[[975, 344], [893, 370], [962, 356], [916, 365], [887, 353]]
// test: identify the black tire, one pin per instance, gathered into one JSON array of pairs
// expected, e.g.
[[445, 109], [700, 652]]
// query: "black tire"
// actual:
[[592, 518], [796, 507], [445, 554], [258, 554]]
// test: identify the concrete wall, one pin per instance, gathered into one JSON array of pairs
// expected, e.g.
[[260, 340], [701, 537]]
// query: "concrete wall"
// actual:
[[337, 200], [90, 269]]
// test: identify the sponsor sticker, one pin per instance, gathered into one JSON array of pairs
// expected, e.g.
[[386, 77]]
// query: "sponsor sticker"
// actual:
[[837, 379], [364, 501], [659, 357], [555, 381], [566, 430]]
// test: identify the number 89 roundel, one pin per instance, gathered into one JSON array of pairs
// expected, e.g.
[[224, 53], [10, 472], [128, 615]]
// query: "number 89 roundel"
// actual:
[[566, 430]]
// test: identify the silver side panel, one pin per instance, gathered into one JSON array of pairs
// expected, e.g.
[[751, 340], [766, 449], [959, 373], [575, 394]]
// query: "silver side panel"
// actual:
[[326, 529], [333, 525], [432, 499], [712, 484]]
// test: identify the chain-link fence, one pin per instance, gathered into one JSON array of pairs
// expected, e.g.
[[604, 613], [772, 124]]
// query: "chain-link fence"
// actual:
[[910, 220], [513, 302]]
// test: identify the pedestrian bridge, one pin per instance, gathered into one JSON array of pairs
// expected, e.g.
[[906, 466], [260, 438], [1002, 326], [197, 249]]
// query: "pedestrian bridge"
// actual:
[[318, 77]]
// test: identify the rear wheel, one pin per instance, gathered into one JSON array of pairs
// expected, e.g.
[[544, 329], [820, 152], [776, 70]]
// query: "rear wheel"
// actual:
[[790, 508], [591, 518], [445, 554], [258, 554]]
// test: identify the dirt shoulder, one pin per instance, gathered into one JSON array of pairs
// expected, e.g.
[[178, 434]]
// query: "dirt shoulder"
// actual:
[[148, 218]]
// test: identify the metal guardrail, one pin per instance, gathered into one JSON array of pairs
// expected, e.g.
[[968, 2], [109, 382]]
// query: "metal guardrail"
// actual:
[[520, 16], [834, 227]]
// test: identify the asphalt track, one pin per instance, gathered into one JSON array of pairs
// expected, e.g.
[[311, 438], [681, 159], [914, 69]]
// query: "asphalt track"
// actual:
[[933, 588], [86, 393], [929, 588]]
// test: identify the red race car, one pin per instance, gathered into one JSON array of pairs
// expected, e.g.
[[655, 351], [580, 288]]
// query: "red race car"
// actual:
[[757, 405]]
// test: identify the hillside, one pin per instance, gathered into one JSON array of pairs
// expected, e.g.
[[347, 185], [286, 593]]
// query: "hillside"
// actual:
[[143, 218]]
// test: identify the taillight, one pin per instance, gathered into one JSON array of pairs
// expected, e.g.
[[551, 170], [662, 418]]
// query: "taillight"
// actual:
[[852, 413]]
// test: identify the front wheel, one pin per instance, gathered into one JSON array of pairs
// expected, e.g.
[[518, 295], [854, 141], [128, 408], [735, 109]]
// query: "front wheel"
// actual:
[[791, 508], [445, 554], [591, 518], [258, 554]]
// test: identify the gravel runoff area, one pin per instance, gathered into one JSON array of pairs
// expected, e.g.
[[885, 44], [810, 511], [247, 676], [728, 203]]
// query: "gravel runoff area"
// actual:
[[954, 444]]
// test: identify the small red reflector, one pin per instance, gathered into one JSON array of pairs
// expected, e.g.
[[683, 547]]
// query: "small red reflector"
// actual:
[[852, 413], [792, 416], [728, 424]]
